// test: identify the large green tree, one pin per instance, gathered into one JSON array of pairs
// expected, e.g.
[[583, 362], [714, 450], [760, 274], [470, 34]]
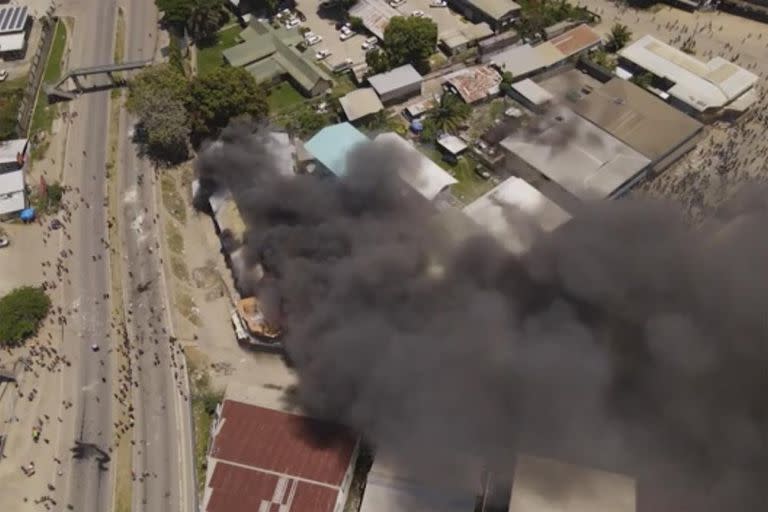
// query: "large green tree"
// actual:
[[449, 113], [619, 37], [410, 40], [151, 81], [21, 312], [201, 17], [222, 95]]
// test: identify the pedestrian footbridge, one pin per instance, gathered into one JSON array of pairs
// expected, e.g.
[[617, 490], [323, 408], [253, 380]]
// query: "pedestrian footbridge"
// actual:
[[61, 90]]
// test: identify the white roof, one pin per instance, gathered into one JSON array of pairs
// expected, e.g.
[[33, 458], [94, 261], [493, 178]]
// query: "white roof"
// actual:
[[12, 42], [524, 59], [544, 485], [10, 148], [395, 79], [386, 491], [701, 85], [533, 92], [514, 212], [425, 176], [11, 192], [13, 18], [452, 143], [577, 155]]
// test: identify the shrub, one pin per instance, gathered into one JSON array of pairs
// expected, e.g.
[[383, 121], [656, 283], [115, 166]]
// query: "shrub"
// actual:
[[21, 312]]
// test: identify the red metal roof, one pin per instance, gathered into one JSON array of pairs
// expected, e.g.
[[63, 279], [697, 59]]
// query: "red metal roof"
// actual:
[[283, 443], [576, 40], [238, 489]]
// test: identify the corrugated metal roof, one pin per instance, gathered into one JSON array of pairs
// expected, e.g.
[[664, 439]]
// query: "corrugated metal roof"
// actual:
[[525, 59], [576, 40], [496, 9], [578, 488], [331, 145], [475, 84], [697, 84], [360, 103], [636, 117], [532, 91], [13, 18], [11, 191], [283, 443], [252, 50], [424, 175], [580, 157], [375, 15], [237, 489], [10, 149], [514, 212], [394, 79]]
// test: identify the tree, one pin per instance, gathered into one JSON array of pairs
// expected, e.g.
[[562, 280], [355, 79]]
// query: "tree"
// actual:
[[643, 80], [619, 37], [21, 312], [449, 113], [206, 17], [175, 12], [356, 24], [378, 61], [307, 121], [151, 81], [410, 40], [175, 56], [220, 96], [164, 129]]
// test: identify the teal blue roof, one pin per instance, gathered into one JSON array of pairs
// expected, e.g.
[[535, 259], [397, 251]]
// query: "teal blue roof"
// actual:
[[331, 145]]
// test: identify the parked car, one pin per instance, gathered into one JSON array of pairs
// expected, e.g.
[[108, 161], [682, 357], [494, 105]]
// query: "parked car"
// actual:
[[312, 39], [3, 75], [322, 54], [370, 42], [482, 172], [438, 3], [396, 3], [4, 242], [293, 22], [346, 34], [417, 13]]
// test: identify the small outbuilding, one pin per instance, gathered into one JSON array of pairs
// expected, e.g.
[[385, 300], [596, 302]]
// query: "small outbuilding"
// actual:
[[452, 144], [397, 84], [360, 103], [532, 95], [476, 84]]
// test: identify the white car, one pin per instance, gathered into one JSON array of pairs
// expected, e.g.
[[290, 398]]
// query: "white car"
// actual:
[[293, 22], [3, 75], [396, 3], [438, 3], [322, 54], [4, 242], [370, 43], [313, 39], [347, 34], [417, 13]]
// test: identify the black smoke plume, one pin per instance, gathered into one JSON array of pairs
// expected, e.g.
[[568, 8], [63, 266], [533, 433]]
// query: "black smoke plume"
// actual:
[[626, 339]]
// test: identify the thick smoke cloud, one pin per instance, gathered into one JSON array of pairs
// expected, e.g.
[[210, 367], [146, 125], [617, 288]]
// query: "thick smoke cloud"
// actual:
[[626, 339]]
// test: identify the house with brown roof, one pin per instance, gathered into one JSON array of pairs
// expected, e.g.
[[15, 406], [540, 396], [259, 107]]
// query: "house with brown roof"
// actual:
[[264, 459], [474, 85], [577, 40]]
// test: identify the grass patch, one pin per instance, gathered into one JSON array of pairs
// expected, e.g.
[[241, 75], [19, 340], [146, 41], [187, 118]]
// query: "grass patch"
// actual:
[[172, 199], [283, 96], [187, 307], [210, 57], [343, 85], [179, 268], [175, 240], [45, 113], [11, 93], [204, 401]]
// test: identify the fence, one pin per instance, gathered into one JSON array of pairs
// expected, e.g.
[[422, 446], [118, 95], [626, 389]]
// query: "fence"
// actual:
[[36, 71]]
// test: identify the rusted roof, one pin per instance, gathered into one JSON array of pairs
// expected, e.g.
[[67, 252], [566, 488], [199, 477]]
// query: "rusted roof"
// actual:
[[476, 84], [238, 489], [283, 443], [576, 40]]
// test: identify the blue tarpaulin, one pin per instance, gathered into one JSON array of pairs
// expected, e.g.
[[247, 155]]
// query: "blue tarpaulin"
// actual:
[[416, 126], [27, 214]]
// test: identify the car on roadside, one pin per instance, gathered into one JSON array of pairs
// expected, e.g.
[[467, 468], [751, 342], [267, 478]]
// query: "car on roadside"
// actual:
[[293, 22], [418, 13], [438, 3], [370, 43], [3, 75], [4, 242], [322, 54], [346, 34]]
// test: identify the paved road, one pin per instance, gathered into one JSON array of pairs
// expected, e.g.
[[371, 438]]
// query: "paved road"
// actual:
[[89, 486], [162, 453]]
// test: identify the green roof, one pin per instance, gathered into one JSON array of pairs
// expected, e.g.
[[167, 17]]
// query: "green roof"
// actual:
[[250, 51], [265, 70], [304, 71], [257, 28]]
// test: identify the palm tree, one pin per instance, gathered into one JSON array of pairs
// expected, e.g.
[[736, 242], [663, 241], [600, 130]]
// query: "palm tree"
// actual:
[[449, 113], [619, 37], [205, 18]]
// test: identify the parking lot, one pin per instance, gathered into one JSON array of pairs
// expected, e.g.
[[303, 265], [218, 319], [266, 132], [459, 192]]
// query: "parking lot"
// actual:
[[323, 23], [446, 19]]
